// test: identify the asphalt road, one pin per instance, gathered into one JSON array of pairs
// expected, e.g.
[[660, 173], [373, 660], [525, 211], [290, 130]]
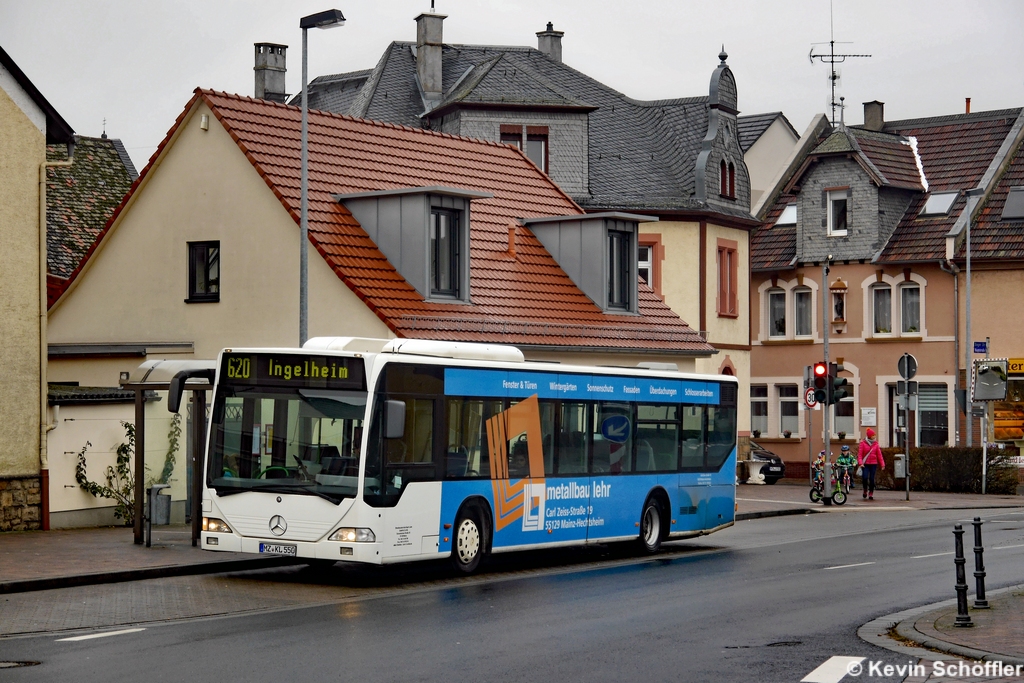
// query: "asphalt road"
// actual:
[[768, 600]]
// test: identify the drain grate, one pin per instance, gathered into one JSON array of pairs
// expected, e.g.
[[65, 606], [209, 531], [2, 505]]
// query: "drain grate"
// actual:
[[11, 665]]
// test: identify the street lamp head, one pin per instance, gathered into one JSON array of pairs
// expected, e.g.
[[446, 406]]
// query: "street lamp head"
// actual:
[[328, 19]]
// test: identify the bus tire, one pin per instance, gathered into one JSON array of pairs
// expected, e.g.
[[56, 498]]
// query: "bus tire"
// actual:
[[651, 526], [469, 540]]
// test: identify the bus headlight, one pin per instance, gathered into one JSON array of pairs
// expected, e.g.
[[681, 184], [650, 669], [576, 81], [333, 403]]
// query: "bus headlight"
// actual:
[[349, 535], [217, 526]]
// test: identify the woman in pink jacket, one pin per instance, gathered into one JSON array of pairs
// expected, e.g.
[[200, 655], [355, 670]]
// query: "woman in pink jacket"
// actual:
[[869, 456]]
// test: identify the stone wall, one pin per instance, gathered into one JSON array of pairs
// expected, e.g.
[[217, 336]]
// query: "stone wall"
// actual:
[[20, 504]]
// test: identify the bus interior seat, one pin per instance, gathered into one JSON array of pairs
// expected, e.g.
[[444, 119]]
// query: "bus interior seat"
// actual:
[[457, 462]]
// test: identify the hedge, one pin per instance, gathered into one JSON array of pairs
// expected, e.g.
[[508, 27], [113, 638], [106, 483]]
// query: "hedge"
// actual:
[[951, 469]]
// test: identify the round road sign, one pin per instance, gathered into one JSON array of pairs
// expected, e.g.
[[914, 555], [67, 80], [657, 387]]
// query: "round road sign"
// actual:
[[809, 397], [907, 365]]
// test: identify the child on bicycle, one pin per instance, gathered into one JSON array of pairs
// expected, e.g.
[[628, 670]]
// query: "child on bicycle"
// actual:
[[846, 463]]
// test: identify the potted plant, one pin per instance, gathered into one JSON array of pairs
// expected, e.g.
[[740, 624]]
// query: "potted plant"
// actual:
[[842, 435], [786, 434], [756, 433]]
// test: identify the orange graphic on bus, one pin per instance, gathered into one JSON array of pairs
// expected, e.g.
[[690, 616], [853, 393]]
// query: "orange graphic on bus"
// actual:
[[517, 465]]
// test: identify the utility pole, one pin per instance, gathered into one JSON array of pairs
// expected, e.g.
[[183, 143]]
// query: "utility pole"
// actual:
[[826, 423]]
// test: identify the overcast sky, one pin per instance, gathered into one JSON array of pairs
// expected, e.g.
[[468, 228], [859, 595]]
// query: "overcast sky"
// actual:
[[136, 62]]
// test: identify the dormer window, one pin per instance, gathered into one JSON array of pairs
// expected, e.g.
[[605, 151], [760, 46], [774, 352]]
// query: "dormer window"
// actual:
[[621, 273], [599, 252], [728, 180], [424, 233], [444, 252], [837, 204]]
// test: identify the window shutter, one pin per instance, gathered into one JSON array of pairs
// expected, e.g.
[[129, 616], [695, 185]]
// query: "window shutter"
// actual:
[[932, 397]]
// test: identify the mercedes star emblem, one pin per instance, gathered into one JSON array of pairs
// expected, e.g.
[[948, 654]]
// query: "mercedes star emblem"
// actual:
[[277, 525]]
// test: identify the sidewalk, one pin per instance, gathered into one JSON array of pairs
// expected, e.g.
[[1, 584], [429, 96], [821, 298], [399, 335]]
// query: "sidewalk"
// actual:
[[784, 498], [40, 560], [991, 650]]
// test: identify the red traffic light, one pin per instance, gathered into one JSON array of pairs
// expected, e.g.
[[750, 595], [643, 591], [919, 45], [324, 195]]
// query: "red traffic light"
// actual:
[[820, 369]]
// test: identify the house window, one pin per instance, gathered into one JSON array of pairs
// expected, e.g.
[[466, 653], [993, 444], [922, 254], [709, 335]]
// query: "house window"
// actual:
[[512, 135], [759, 409], [649, 256], [802, 312], [843, 413], [933, 415], [619, 282], [537, 146], [910, 309], [776, 313], [838, 212], [203, 272], [444, 252], [881, 296], [728, 179], [838, 306], [789, 408], [728, 277]]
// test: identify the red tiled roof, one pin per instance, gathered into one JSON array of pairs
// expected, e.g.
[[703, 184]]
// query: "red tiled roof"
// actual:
[[955, 155], [772, 247], [527, 300], [992, 238], [893, 157]]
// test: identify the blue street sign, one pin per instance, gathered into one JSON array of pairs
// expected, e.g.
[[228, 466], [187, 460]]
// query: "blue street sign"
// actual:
[[981, 347], [616, 428]]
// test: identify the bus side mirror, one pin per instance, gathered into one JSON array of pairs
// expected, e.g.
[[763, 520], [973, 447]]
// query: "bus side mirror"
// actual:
[[394, 419], [177, 385]]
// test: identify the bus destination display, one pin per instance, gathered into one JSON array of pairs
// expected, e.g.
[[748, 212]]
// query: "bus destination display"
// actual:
[[293, 370]]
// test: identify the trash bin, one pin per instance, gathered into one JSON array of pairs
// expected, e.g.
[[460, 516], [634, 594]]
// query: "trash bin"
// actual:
[[159, 505], [899, 467]]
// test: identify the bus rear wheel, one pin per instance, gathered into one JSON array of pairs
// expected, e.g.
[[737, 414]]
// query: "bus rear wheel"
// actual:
[[650, 526], [468, 541]]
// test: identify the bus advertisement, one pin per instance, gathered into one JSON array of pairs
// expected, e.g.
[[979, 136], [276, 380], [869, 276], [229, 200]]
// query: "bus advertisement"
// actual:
[[382, 451]]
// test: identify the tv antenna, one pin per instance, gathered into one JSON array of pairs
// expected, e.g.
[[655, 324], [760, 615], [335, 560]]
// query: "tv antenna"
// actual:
[[832, 59]]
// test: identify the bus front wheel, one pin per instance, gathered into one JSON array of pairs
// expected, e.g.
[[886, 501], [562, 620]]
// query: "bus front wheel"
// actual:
[[468, 541], [650, 526]]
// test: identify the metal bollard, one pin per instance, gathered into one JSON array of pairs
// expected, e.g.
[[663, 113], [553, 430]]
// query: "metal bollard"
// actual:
[[962, 617], [979, 566]]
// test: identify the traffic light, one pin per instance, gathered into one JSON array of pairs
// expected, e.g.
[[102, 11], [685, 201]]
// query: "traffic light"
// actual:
[[837, 386], [819, 377]]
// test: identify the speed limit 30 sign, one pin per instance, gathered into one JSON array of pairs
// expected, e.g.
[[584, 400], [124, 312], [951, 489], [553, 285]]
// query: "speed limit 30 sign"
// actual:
[[809, 397]]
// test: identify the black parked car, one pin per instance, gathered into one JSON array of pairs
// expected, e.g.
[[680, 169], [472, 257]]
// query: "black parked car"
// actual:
[[775, 469]]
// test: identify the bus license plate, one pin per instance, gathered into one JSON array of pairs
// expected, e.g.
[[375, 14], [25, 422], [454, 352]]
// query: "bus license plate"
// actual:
[[278, 549]]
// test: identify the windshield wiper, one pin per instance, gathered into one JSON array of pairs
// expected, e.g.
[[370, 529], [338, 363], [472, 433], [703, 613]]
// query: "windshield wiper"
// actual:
[[307, 488]]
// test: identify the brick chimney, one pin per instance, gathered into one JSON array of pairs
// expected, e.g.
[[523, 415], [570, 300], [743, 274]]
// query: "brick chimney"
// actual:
[[270, 70], [549, 41], [874, 115], [428, 53]]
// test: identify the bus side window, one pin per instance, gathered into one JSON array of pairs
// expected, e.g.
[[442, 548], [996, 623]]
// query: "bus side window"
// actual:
[[467, 454], [571, 455], [693, 438]]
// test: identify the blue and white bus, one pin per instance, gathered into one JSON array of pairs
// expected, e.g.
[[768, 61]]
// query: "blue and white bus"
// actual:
[[380, 451]]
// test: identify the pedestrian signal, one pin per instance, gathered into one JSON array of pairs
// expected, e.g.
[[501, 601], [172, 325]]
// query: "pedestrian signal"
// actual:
[[837, 386], [819, 377]]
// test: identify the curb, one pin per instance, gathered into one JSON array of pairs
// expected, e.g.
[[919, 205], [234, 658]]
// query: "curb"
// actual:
[[75, 580], [875, 632], [744, 516]]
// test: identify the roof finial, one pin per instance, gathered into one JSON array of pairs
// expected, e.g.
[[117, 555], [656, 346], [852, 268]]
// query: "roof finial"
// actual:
[[723, 55], [104, 136]]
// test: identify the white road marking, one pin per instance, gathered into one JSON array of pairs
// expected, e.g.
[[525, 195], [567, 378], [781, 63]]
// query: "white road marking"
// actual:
[[833, 670], [846, 566], [921, 557], [101, 635], [1004, 547]]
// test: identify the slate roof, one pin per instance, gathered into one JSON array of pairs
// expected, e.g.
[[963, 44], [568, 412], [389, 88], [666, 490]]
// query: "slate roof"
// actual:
[[79, 201], [642, 154], [954, 151], [526, 300], [751, 128], [334, 92]]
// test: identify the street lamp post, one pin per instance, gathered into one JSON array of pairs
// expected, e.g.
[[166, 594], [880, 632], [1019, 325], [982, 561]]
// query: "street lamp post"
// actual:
[[968, 341], [327, 19]]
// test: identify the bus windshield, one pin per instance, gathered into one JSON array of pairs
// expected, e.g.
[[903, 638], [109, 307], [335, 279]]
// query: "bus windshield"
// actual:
[[298, 441]]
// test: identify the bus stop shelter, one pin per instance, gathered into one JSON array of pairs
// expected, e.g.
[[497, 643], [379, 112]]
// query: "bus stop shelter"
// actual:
[[174, 376]]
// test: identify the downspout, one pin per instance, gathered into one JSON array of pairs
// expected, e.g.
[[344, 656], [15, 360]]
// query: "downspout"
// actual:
[[45, 427], [953, 270]]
